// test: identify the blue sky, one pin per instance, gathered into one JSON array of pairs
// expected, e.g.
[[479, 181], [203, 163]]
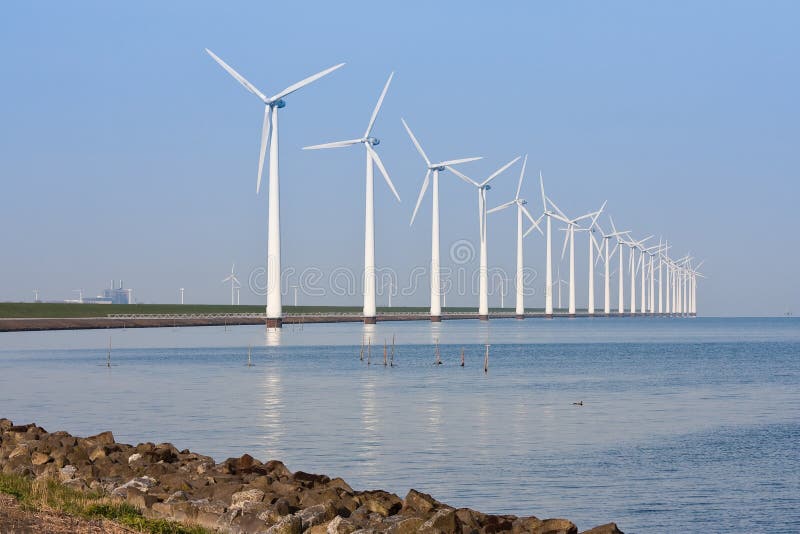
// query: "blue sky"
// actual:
[[125, 152]]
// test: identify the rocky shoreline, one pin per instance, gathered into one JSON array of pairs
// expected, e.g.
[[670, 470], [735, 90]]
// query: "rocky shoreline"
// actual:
[[241, 495]]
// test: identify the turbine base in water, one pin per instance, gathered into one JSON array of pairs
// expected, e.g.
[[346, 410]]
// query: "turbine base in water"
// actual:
[[370, 320], [436, 318], [274, 322]]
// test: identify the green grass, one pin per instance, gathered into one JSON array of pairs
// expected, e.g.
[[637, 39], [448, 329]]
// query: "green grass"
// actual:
[[51, 495]]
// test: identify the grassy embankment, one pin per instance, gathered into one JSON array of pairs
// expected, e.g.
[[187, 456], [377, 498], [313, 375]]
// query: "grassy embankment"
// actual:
[[51, 495], [50, 310]]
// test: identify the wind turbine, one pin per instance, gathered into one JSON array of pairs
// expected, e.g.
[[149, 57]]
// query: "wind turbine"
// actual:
[[572, 224], [369, 142], [548, 284], [592, 243], [607, 274], [623, 238], [694, 275], [521, 209], [181, 292], [269, 134], [35, 295], [234, 284], [634, 266], [483, 273], [435, 168]]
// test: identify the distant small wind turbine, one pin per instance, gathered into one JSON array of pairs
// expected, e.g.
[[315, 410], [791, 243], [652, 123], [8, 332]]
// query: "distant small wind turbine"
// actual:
[[181, 291], [369, 142], [234, 284], [436, 168], [569, 238], [271, 106]]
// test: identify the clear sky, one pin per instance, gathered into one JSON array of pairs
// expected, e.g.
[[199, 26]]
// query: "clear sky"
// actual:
[[127, 153]]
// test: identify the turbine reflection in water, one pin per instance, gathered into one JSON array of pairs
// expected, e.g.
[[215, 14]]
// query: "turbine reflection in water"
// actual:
[[272, 413]]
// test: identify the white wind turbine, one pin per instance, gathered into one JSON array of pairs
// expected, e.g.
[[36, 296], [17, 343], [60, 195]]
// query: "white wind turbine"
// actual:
[[521, 209], [643, 261], [369, 142], [548, 283], [592, 243], [269, 135], [633, 245], [435, 168], [623, 238], [603, 251], [234, 284], [569, 238], [483, 273]]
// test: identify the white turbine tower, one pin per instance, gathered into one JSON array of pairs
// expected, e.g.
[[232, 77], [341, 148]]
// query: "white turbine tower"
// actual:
[[622, 239], [435, 168], [569, 238], [369, 142], [234, 284], [269, 135], [181, 292], [483, 273], [521, 209]]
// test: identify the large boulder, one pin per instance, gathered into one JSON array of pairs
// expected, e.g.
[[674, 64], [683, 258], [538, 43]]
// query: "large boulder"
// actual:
[[608, 528]]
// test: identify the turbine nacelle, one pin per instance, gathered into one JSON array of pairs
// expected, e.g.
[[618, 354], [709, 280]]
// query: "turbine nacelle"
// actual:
[[372, 141], [280, 103]]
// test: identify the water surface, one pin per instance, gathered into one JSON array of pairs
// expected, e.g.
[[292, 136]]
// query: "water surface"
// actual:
[[687, 425]]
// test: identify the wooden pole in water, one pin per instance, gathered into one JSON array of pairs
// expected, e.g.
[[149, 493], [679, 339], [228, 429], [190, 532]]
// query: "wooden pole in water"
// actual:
[[108, 360], [369, 349], [392, 362], [361, 355], [438, 354], [249, 351], [462, 356], [385, 349], [486, 360]]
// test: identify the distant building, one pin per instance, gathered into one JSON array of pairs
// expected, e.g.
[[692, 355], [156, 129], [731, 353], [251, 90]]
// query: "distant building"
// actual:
[[115, 295]]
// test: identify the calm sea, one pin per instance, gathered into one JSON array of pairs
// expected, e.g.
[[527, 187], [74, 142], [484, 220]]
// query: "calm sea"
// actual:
[[687, 425]]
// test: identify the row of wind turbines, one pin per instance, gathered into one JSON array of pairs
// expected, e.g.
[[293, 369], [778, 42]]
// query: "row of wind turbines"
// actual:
[[677, 278]]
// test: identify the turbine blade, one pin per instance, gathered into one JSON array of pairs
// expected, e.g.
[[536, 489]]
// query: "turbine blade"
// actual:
[[302, 83], [521, 175], [422, 190], [464, 177], [535, 222], [378, 106], [458, 161], [265, 128], [241, 79], [613, 228], [416, 143], [335, 144], [503, 206], [566, 240], [544, 198], [559, 217], [385, 174], [499, 171]]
